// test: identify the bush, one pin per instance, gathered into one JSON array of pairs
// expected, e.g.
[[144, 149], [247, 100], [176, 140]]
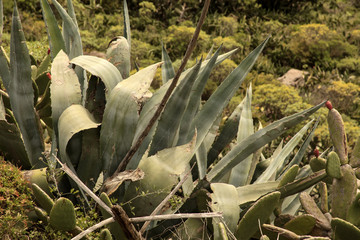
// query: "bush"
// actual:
[[349, 65], [316, 44]]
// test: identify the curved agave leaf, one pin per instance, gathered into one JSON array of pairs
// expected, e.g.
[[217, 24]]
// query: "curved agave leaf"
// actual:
[[4, 69], [152, 104], [170, 119], [270, 172], [73, 120], [71, 11], [108, 73], [166, 164], [252, 192], [127, 32], [225, 199], [21, 93], [118, 53], [54, 34], [121, 116], [219, 99], [65, 88], [195, 99], [71, 29], [239, 173], [256, 141], [167, 69]]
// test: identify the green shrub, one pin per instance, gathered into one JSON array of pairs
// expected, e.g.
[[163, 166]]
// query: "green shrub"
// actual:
[[316, 44], [227, 25], [178, 38], [349, 65]]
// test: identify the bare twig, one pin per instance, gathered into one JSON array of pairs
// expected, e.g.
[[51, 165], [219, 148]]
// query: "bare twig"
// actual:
[[176, 216], [191, 46], [84, 187], [163, 203], [93, 228]]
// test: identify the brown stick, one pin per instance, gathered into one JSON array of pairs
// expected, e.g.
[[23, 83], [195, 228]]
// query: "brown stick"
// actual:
[[191, 46]]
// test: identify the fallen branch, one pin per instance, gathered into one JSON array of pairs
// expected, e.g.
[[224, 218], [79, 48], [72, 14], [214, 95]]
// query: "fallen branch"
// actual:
[[93, 228], [177, 216]]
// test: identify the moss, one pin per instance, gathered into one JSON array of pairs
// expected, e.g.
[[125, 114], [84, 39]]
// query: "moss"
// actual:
[[15, 202]]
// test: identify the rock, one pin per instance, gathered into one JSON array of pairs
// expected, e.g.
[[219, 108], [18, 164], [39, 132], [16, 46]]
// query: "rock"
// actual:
[[294, 78]]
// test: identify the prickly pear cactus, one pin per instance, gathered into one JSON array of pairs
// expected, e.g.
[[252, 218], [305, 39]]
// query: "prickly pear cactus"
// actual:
[[343, 230], [42, 198], [333, 165], [337, 133], [310, 207], [105, 234], [302, 224], [261, 210], [343, 192], [62, 215], [317, 164], [353, 215], [355, 156]]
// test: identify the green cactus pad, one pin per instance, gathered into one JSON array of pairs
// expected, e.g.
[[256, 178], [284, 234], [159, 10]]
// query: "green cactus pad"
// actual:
[[261, 210], [338, 135], [343, 192], [355, 156], [264, 237], [42, 198], [42, 215], [343, 230], [357, 173], [301, 225], [289, 176], [333, 165], [353, 215], [317, 164], [324, 202], [62, 215], [105, 234], [310, 207]]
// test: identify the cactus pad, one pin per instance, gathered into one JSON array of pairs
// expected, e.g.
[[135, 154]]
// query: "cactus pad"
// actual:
[[317, 164], [310, 207], [105, 234], [338, 135], [42, 198], [62, 215], [301, 225], [261, 210], [355, 156], [333, 165], [343, 230], [343, 192], [353, 215]]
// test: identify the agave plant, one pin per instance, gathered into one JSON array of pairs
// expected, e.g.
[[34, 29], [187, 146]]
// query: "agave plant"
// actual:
[[95, 112]]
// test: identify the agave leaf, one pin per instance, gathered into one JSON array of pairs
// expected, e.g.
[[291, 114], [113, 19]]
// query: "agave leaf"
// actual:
[[80, 120], [75, 49], [170, 119], [224, 199], [167, 68], [256, 141], [4, 69], [71, 11], [118, 53], [150, 107], [21, 93], [121, 116], [239, 173], [219, 99], [1, 20], [195, 98], [166, 164], [54, 34], [252, 192], [11, 142], [227, 134], [278, 161], [127, 32], [108, 73], [300, 154], [65, 88]]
